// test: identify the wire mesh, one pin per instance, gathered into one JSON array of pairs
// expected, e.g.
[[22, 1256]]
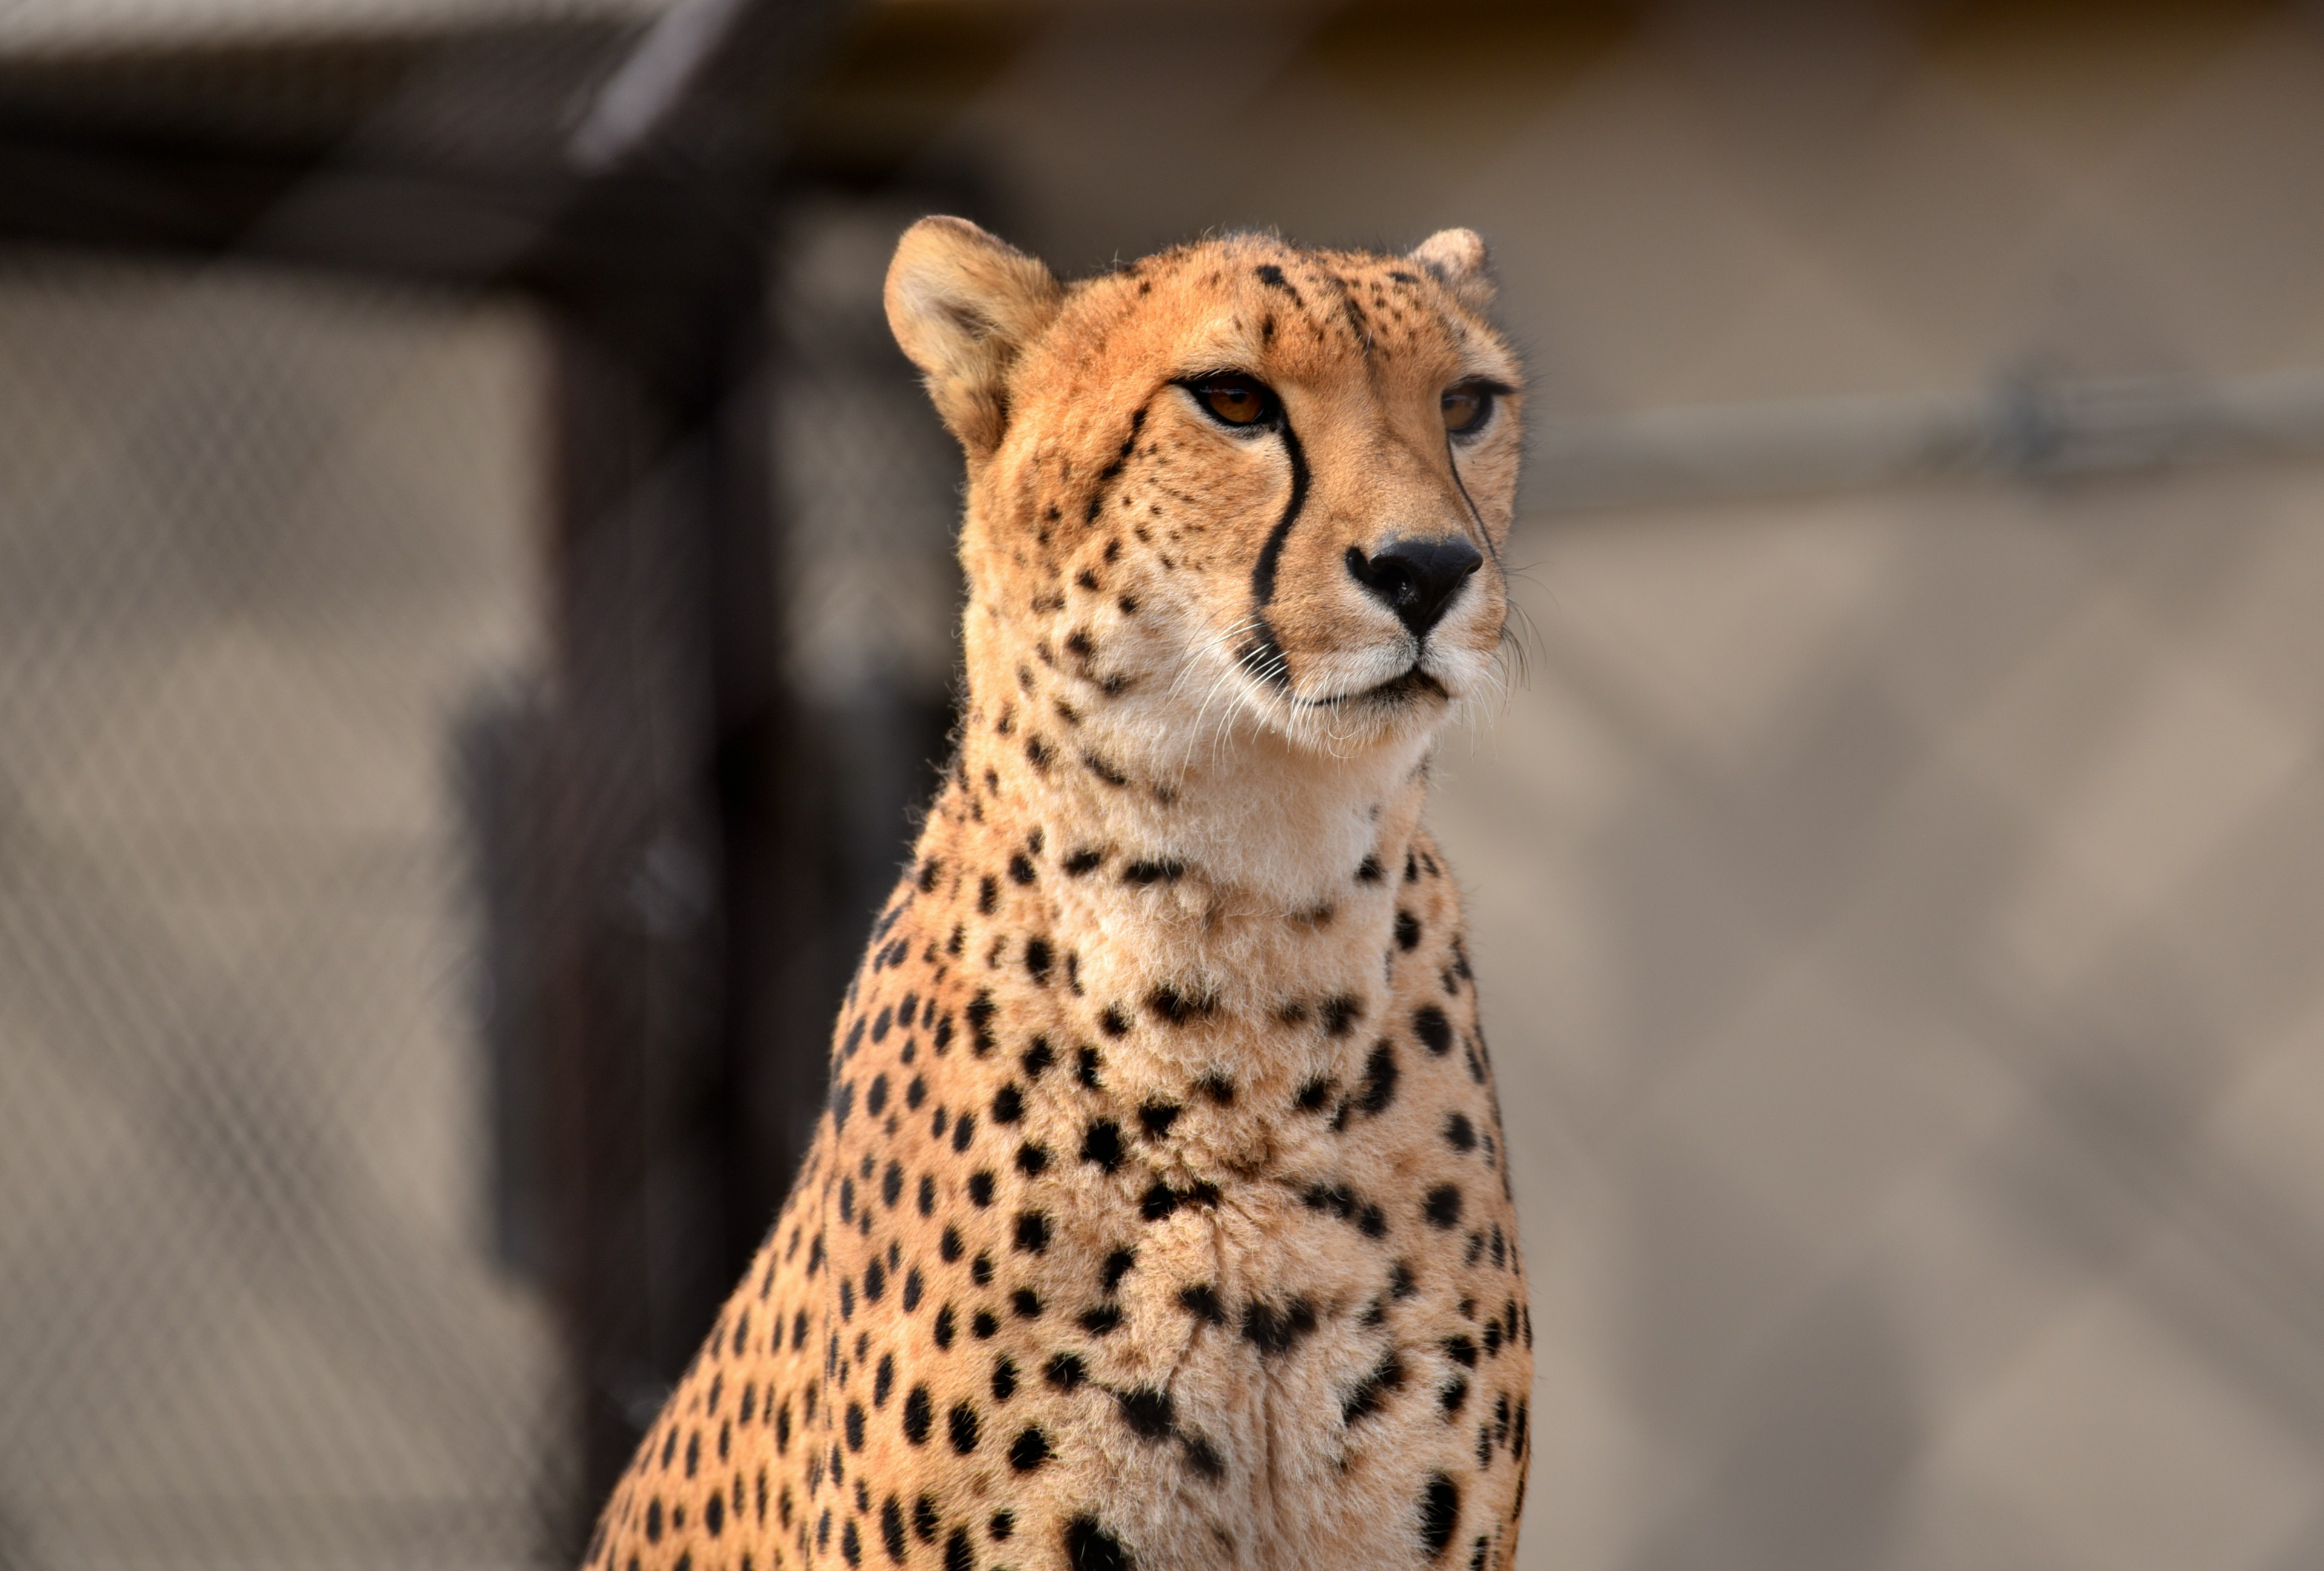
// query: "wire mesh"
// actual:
[[264, 543]]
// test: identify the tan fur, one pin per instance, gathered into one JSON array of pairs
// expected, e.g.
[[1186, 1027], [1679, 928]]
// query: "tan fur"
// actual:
[[1160, 1215]]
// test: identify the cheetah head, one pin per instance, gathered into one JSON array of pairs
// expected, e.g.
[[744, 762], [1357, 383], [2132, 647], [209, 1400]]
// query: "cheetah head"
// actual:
[[1234, 482]]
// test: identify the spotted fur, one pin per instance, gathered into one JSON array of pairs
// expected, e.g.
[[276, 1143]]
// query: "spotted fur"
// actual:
[[1160, 1213]]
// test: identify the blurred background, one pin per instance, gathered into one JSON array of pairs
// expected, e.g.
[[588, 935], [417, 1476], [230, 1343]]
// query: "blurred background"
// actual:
[[476, 621]]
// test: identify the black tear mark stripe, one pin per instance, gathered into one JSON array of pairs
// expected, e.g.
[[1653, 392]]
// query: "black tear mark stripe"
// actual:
[[1263, 656], [1453, 463]]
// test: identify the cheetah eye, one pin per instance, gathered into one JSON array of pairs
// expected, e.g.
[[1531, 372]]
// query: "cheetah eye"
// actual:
[[1468, 406], [1234, 399]]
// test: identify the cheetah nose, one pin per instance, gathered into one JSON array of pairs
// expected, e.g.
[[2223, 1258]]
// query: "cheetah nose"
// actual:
[[1416, 578]]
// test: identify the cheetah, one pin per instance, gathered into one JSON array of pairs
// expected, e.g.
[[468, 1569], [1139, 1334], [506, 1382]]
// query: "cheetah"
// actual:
[[1160, 1214]]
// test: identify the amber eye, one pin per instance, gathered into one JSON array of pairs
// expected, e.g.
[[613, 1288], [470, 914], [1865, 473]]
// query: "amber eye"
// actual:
[[1239, 400], [1466, 407]]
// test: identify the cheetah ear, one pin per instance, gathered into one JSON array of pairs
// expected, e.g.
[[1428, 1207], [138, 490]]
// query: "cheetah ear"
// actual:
[[963, 305], [1457, 258]]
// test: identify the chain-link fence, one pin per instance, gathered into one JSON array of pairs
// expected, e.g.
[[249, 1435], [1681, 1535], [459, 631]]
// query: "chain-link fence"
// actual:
[[264, 543], [414, 742]]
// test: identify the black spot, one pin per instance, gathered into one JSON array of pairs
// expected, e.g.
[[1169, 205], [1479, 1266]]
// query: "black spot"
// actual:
[[1040, 753], [1408, 931], [1032, 1159], [1379, 1080], [1341, 1013], [891, 1185], [1117, 1266], [1276, 1332], [1461, 1351], [891, 1530], [1314, 1095], [948, 1244], [1148, 1412], [979, 1270], [919, 1412], [962, 1422], [1370, 1394], [1037, 1057], [1114, 1022], [1101, 1321], [1156, 1117], [1085, 1063], [1026, 1303], [1367, 871], [856, 1426], [1159, 1202], [1003, 1524], [1032, 1232], [1065, 1372], [1090, 1547], [925, 1519], [980, 1187], [1204, 1457], [843, 1103], [982, 1325], [1440, 1513], [915, 1093], [958, 1554], [883, 1380], [980, 1013], [1428, 1022], [1217, 1087], [1028, 1450], [1455, 1392], [1004, 1379], [1109, 773], [1020, 868], [1443, 1206], [876, 1099], [1101, 1143], [1173, 1007], [880, 1024], [1008, 1104], [1165, 870], [988, 894], [1202, 1300], [851, 1547], [653, 1520], [1086, 861], [1459, 1133], [1400, 1283], [875, 1281], [943, 1327], [1037, 959]]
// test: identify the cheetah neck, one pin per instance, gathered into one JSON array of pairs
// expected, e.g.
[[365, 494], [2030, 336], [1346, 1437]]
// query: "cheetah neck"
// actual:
[[1233, 866]]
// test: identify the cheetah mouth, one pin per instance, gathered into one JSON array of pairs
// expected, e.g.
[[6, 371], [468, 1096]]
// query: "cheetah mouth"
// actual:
[[1412, 683]]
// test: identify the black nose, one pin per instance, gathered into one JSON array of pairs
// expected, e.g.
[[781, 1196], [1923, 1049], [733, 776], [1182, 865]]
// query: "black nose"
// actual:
[[1416, 578]]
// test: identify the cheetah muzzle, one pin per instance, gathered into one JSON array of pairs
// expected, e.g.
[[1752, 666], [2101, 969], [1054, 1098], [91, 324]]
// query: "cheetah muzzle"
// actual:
[[1160, 1215]]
